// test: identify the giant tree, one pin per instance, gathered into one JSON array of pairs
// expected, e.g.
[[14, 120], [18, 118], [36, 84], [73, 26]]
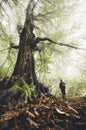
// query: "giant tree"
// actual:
[[25, 64]]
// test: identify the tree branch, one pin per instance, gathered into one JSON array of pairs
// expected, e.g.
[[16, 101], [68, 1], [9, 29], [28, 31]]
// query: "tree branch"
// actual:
[[61, 44], [38, 16], [15, 47], [12, 45]]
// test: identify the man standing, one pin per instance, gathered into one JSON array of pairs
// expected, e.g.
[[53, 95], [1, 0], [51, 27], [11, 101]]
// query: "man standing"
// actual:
[[62, 88]]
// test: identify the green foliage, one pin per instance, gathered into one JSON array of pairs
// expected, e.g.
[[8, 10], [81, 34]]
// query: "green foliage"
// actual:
[[43, 60], [14, 1], [78, 88], [29, 90]]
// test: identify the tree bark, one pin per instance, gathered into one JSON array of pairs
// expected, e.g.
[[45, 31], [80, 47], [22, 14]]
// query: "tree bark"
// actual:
[[25, 65]]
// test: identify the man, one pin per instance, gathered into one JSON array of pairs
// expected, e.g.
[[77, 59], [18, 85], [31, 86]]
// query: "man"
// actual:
[[62, 88]]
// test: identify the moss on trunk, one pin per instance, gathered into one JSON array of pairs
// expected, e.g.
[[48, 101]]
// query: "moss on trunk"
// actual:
[[29, 90]]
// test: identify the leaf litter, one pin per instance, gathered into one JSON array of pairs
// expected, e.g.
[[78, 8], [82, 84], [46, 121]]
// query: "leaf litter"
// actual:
[[47, 113]]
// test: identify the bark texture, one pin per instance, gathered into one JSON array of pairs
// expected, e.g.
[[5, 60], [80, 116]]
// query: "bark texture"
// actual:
[[25, 66]]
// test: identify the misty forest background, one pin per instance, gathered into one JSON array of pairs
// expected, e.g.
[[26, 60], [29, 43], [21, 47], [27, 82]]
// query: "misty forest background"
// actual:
[[63, 21]]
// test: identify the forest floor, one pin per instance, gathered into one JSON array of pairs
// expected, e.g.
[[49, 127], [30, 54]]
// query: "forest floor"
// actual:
[[47, 113]]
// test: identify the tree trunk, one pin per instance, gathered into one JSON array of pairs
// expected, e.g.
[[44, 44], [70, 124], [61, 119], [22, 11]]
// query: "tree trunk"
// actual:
[[25, 65]]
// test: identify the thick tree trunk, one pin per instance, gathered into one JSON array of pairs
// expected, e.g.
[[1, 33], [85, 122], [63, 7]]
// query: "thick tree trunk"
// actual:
[[25, 66]]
